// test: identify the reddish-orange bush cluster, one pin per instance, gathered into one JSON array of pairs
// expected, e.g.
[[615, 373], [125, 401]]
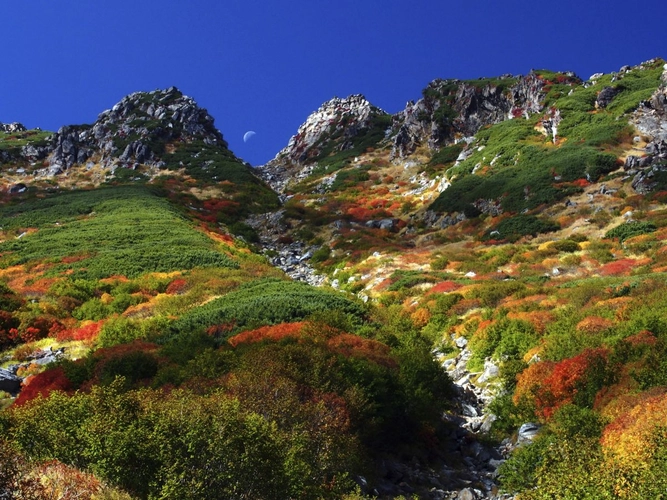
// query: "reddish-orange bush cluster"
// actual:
[[354, 346], [43, 384], [594, 324], [273, 333], [621, 267], [445, 287], [550, 385], [88, 331], [539, 319], [465, 305], [177, 286], [641, 338]]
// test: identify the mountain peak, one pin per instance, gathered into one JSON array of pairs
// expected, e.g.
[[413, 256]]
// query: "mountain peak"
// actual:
[[335, 119], [10, 128], [136, 130]]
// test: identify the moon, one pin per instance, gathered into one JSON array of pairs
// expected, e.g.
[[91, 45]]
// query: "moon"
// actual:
[[248, 135]]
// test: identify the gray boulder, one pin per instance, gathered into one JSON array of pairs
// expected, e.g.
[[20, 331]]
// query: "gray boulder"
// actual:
[[9, 382]]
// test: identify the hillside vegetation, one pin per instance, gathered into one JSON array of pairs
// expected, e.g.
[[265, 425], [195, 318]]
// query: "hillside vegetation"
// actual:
[[501, 240]]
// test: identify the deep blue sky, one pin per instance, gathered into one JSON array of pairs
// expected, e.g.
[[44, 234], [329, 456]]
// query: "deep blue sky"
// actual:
[[265, 66]]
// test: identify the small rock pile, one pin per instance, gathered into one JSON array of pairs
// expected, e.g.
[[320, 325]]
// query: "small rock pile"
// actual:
[[10, 382], [290, 256]]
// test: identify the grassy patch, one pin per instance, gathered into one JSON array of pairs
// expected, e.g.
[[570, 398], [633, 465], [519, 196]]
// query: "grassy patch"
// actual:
[[124, 231]]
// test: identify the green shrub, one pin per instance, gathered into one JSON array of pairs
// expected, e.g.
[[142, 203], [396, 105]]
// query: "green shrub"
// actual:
[[567, 246], [523, 225], [264, 302], [630, 229]]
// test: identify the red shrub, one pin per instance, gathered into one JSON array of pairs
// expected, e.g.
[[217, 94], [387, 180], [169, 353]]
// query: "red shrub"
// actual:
[[444, 287], [88, 331], [620, 267], [567, 379], [354, 346], [44, 383], [642, 338], [273, 333], [594, 324], [177, 286]]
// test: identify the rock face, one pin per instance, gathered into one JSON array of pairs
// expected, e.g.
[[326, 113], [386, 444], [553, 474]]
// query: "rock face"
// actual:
[[9, 382], [650, 119], [452, 110], [337, 125], [135, 130], [10, 128]]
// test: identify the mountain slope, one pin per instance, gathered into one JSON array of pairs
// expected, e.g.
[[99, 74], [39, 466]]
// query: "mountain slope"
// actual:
[[495, 316]]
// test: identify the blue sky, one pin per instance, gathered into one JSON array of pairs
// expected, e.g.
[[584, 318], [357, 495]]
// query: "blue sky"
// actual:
[[265, 66]]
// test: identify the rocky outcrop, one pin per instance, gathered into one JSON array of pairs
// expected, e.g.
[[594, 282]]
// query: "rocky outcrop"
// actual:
[[605, 96], [135, 131], [336, 126], [10, 128], [650, 120], [452, 110], [9, 382]]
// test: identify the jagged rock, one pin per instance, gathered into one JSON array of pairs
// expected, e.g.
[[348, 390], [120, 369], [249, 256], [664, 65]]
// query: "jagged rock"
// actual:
[[334, 124], [10, 128], [18, 188], [385, 224], [466, 494], [461, 342], [9, 382], [146, 117], [473, 107], [605, 96], [491, 370]]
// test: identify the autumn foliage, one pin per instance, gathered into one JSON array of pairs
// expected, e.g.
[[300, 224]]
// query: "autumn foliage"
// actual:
[[629, 438], [549, 385], [273, 333], [43, 384]]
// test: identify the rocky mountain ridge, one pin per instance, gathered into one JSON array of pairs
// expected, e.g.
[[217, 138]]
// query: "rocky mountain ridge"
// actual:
[[331, 128], [449, 111], [134, 131]]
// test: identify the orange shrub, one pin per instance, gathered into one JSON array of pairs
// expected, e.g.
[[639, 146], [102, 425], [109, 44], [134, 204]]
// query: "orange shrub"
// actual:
[[87, 331], [43, 384], [531, 380], [420, 317], [354, 346], [273, 333], [539, 319], [594, 324]]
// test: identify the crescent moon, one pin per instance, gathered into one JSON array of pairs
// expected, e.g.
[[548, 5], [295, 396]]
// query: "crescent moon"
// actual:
[[248, 135]]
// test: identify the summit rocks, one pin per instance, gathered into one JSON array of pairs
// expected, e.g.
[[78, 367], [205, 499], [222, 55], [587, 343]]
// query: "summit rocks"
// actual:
[[135, 130], [10, 128], [336, 126], [453, 109]]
